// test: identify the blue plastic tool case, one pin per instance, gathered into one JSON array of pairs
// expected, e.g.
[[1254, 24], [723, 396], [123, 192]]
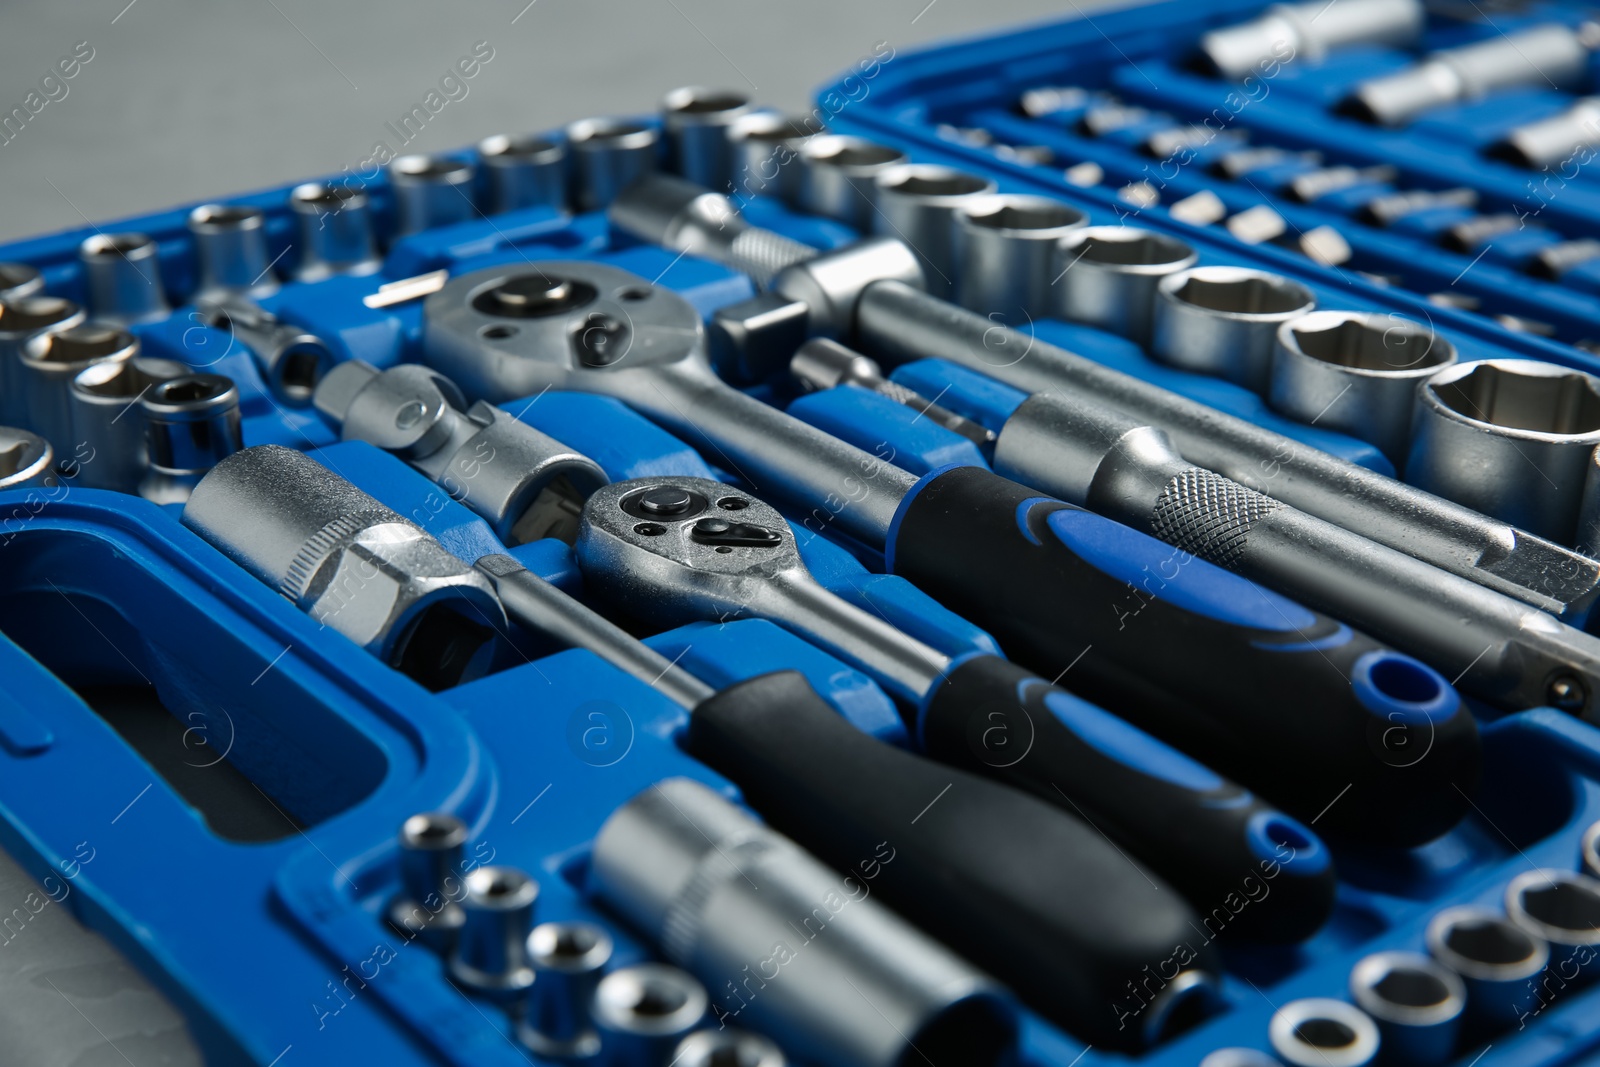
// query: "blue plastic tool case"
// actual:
[[267, 933]]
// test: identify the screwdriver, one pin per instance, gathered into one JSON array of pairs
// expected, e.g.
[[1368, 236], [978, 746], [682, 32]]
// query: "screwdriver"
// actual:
[[684, 549], [1029, 893], [1061, 588], [1497, 648], [856, 290]]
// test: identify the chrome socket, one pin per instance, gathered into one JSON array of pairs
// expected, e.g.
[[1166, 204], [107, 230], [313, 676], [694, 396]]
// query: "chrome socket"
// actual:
[[1551, 142], [1563, 908], [526, 485], [335, 228], [18, 280], [1589, 850], [524, 171], [108, 428], [1356, 372], [1107, 276], [1321, 1032], [26, 460], [697, 122], [1310, 31], [1480, 426], [1005, 246], [122, 274], [1416, 1003], [48, 364], [1547, 54], [349, 562], [431, 191], [568, 960], [917, 204], [21, 320], [1240, 1057], [490, 957], [1224, 321], [1498, 962], [230, 242], [191, 425], [837, 176], [716, 889], [766, 152], [727, 1048], [608, 155], [291, 360], [428, 908], [643, 1011]]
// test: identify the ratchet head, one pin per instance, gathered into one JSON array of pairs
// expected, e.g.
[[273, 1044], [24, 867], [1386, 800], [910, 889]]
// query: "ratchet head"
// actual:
[[511, 331], [677, 550]]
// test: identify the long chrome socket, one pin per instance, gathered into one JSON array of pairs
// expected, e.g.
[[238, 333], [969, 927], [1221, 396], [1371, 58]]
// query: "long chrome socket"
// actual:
[[1546, 54], [526, 485], [1511, 438], [348, 561], [719, 891], [108, 430], [643, 1011], [431, 191], [1416, 1003], [428, 906], [21, 320], [697, 122], [1005, 246], [837, 175], [1309, 32], [766, 153], [192, 424], [917, 203], [1356, 372], [490, 957], [568, 960], [48, 364], [335, 230], [1106, 276], [524, 171], [230, 243], [122, 273], [1498, 962], [608, 155], [1224, 321]]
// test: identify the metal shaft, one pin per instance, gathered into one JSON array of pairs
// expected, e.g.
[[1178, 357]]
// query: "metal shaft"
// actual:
[[535, 603], [824, 364], [903, 323], [1497, 648]]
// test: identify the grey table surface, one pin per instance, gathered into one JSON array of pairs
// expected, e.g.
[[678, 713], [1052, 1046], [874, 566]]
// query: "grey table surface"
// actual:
[[182, 100]]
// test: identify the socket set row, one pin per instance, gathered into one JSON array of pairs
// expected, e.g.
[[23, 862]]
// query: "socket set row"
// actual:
[[1436, 148], [725, 587]]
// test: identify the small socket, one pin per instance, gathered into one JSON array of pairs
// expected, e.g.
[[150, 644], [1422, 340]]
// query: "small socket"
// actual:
[[427, 907], [1498, 961], [491, 952], [837, 176], [1224, 321], [122, 273], [431, 191], [643, 1011], [568, 961], [727, 1048], [1563, 908], [1416, 1003], [1321, 1032]]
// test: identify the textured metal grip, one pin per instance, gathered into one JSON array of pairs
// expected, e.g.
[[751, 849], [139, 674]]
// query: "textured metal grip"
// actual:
[[762, 253], [1208, 515]]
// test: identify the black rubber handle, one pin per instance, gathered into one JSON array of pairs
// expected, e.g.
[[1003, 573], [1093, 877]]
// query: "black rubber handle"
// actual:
[[1211, 839], [1027, 892], [1325, 722]]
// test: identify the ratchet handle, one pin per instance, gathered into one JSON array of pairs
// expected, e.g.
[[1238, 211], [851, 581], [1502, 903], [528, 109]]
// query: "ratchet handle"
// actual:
[[1318, 718], [1205, 835], [1029, 893]]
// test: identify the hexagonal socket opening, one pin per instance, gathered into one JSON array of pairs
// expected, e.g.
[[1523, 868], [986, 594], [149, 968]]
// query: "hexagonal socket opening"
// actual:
[[1542, 403], [116, 245], [1363, 345], [853, 152], [1564, 905], [1244, 294], [34, 313], [1494, 942], [1131, 248], [695, 101], [82, 344], [1026, 214], [936, 181]]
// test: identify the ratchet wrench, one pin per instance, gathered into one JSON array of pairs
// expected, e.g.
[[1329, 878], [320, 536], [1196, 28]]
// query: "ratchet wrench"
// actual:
[[685, 549]]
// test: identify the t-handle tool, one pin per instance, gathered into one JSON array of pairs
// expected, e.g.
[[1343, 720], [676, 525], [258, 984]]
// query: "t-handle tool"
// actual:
[[670, 551], [1022, 889], [1061, 587]]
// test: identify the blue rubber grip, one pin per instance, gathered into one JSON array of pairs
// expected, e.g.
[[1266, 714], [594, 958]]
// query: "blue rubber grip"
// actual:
[[1316, 717], [1209, 838]]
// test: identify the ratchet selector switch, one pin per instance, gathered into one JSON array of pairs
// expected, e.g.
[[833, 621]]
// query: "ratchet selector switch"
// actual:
[[721, 534]]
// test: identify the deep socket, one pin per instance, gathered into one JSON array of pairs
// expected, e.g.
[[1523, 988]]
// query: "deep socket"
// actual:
[[230, 242], [431, 191], [122, 273], [523, 171], [608, 155], [697, 121], [335, 231]]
